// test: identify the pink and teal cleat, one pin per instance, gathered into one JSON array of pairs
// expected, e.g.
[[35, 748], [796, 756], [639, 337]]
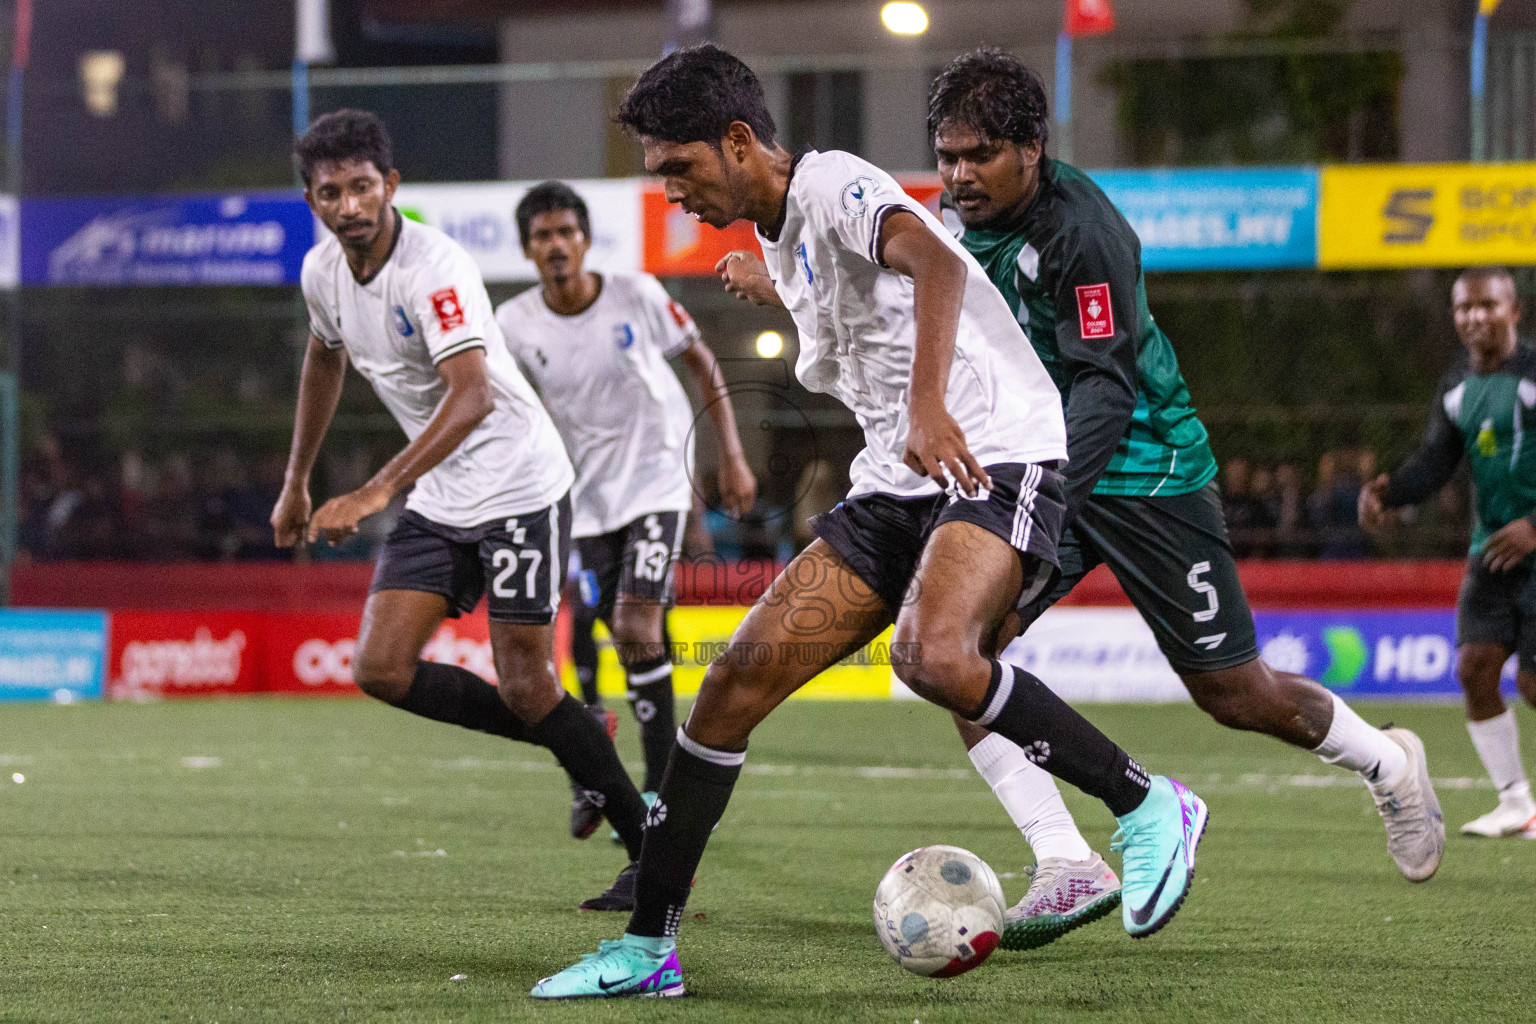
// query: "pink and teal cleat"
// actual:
[[631, 966]]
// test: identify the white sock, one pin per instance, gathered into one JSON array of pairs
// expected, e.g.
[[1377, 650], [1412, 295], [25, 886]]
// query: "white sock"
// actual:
[[1354, 743], [1029, 795], [1498, 745]]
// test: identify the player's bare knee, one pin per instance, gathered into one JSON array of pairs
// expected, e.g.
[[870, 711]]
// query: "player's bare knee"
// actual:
[[636, 637], [1526, 683], [942, 670], [385, 678], [1478, 667]]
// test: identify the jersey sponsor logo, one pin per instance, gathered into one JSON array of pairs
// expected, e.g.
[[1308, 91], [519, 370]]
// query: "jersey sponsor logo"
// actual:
[[855, 196], [623, 335], [449, 310], [1094, 316], [679, 314], [403, 323]]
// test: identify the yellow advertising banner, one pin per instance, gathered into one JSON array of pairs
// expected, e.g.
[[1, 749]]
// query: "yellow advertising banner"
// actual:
[[1426, 215], [700, 634]]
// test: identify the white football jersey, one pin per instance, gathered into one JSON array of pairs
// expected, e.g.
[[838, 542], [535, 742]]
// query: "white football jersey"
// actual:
[[426, 304], [604, 376], [857, 331]]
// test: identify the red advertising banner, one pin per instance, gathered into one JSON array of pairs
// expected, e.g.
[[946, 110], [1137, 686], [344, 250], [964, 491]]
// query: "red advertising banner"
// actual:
[[677, 245], [176, 654], [313, 653]]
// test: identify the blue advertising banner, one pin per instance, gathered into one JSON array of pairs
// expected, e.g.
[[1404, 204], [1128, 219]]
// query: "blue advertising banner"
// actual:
[[1403, 654], [51, 655], [1219, 218], [257, 238]]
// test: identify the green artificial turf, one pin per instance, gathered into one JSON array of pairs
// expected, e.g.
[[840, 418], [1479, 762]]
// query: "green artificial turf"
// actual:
[[292, 860]]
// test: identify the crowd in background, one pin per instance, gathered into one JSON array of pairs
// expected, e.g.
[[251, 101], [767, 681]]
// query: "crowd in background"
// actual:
[[213, 505], [1272, 513]]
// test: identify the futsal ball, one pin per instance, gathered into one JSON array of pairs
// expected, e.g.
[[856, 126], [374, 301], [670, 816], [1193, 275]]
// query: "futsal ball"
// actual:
[[939, 911]]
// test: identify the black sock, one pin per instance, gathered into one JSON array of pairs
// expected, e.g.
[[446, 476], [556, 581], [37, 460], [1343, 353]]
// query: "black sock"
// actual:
[[584, 655], [448, 693], [586, 753], [650, 697], [693, 795], [1060, 740]]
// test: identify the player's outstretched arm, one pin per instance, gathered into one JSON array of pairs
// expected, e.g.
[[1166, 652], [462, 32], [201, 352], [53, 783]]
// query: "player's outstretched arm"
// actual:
[[935, 443], [468, 401], [738, 487], [746, 276], [320, 384], [1425, 471]]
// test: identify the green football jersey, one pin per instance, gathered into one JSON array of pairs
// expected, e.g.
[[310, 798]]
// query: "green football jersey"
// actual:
[[1487, 418], [1070, 268]]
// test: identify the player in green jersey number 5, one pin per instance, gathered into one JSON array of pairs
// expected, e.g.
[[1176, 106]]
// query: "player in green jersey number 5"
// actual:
[[1139, 479], [1483, 409]]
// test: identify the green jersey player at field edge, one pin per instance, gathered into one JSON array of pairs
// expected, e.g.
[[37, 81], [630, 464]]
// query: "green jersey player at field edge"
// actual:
[[1483, 409], [1141, 495]]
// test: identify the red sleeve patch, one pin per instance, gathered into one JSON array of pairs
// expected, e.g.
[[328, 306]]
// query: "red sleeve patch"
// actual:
[[450, 312], [1094, 316], [679, 315]]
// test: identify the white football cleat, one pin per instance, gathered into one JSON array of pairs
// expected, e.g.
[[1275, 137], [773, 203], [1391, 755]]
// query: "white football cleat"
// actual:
[[1411, 812], [1515, 817]]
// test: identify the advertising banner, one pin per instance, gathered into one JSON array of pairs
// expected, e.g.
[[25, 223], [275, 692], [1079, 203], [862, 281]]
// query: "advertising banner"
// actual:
[[1096, 655], [51, 655], [1400, 654], [1109, 654], [10, 242], [184, 654], [313, 653], [258, 238], [480, 216], [1219, 218], [678, 245], [1427, 215]]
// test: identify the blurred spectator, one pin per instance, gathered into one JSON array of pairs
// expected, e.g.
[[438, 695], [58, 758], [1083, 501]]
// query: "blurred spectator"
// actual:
[[1332, 507], [1249, 523], [1288, 507]]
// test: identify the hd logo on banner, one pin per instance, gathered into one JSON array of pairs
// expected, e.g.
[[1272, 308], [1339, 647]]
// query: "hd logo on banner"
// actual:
[[1427, 215]]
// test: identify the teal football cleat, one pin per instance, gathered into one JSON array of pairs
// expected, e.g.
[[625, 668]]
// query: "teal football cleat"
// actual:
[[631, 966], [1157, 844]]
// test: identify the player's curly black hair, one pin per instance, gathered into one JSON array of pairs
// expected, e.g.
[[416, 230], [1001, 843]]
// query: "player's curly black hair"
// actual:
[[693, 95], [344, 135], [548, 197], [993, 94]]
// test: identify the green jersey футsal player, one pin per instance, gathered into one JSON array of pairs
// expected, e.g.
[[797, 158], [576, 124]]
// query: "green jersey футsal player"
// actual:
[[1483, 410], [1141, 495]]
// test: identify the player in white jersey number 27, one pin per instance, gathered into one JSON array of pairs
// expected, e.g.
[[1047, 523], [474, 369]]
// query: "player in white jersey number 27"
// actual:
[[489, 508]]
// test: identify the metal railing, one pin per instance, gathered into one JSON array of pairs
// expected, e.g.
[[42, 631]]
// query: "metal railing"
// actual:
[[1508, 129]]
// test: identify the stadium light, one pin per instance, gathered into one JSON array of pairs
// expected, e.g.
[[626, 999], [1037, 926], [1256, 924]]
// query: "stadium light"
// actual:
[[101, 71], [904, 19], [770, 344]]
